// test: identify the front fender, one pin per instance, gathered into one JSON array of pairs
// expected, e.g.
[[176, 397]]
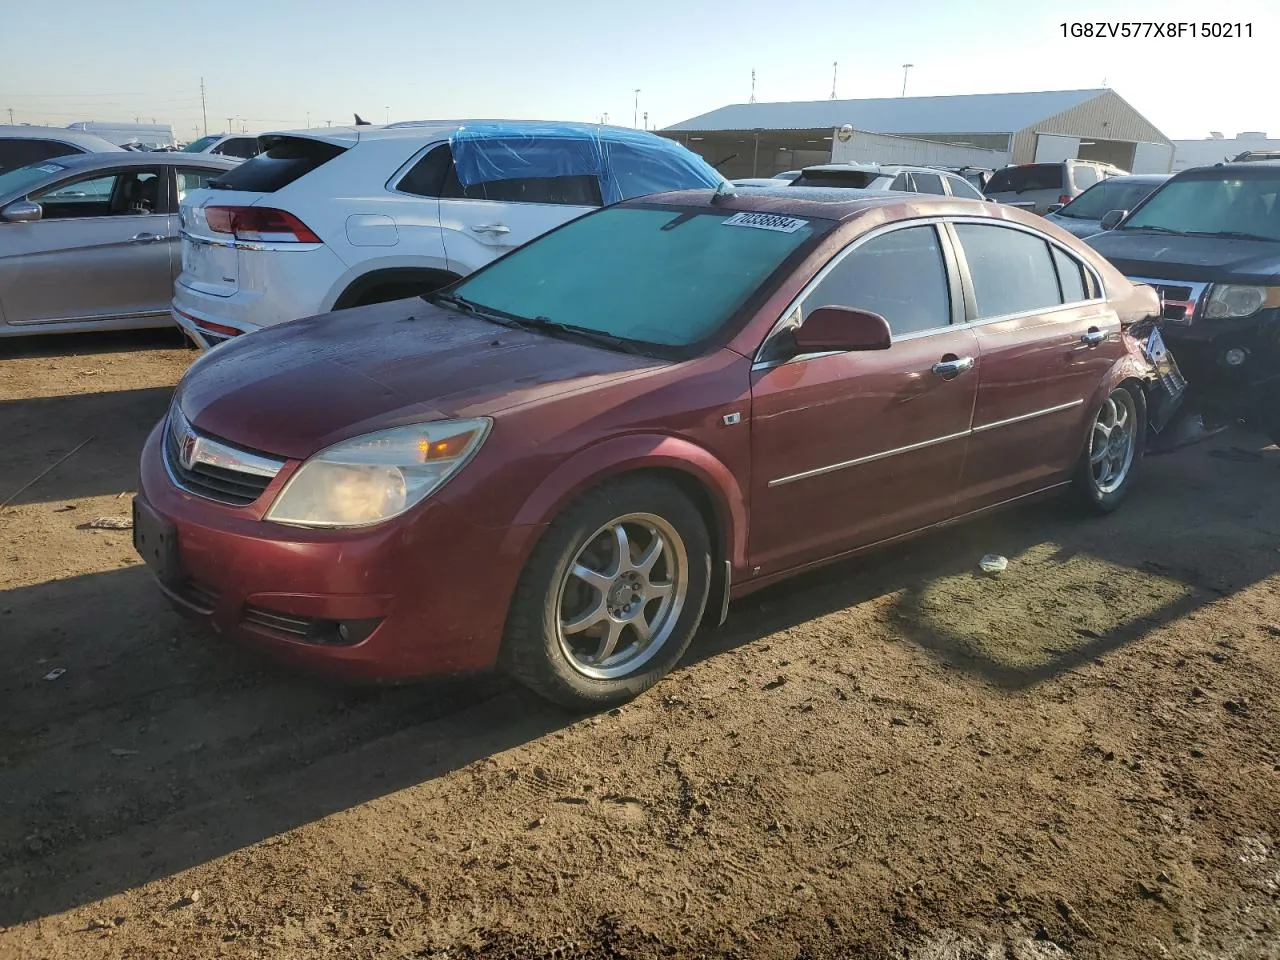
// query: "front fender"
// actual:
[[634, 452]]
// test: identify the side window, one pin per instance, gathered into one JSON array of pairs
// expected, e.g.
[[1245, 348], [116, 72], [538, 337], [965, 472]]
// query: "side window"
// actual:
[[900, 275], [132, 193], [19, 153], [1071, 277], [960, 187], [242, 147], [189, 180], [1085, 176], [426, 178], [549, 157], [928, 183], [903, 182], [1012, 271]]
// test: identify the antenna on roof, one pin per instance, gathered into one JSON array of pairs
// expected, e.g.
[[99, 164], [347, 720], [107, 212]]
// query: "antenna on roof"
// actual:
[[835, 69], [723, 192], [753, 87]]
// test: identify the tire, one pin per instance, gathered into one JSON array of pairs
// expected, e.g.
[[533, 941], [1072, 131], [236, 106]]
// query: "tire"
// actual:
[[1105, 473], [609, 601]]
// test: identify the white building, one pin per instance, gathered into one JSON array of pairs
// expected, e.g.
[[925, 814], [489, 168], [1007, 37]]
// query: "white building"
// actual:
[[1216, 148], [765, 138]]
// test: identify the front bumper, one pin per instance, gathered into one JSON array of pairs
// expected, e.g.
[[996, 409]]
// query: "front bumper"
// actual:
[[425, 594]]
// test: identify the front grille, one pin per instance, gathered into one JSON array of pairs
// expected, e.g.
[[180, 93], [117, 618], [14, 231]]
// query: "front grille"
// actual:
[[216, 471], [325, 633], [276, 622], [1178, 300]]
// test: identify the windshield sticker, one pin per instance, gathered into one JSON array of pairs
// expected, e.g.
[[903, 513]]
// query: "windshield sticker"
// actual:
[[51, 168], [766, 221]]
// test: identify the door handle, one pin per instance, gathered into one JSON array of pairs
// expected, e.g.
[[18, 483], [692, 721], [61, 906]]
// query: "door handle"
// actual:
[[947, 369], [147, 238], [1093, 337], [494, 228]]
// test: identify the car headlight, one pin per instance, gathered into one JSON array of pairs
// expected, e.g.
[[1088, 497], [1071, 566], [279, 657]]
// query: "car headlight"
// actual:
[[378, 476], [1229, 301]]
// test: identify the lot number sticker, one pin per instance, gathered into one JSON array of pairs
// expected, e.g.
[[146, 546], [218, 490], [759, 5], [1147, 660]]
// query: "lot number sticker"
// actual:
[[766, 221]]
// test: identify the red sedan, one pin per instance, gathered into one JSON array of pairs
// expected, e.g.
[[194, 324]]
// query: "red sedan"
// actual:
[[566, 462]]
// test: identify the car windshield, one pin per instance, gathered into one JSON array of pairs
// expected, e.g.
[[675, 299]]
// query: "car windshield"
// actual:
[[17, 181], [661, 277], [199, 146], [1100, 199], [1244, 207], [1033, 176]]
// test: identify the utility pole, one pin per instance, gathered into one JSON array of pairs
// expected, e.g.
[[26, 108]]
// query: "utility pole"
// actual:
[[905, 68], [646, 119], [635, 111], [835, 70], [204, 109], [388, 109], [753, 87], [11, 115], [230, 128]]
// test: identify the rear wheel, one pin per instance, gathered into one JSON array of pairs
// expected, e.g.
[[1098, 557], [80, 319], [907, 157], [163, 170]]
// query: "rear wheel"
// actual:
[[611, 596], [1111, 457]]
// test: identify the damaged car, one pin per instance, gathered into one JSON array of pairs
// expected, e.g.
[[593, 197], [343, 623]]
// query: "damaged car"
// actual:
[[565, 463]]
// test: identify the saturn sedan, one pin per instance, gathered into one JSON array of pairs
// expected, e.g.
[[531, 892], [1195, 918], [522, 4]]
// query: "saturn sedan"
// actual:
[[565, 463]]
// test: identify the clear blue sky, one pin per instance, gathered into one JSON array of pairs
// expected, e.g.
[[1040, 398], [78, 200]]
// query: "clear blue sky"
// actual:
[[274, 63]]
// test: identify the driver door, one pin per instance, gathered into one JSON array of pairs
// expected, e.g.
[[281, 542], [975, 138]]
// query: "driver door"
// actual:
[[849, 449], [100, 251]]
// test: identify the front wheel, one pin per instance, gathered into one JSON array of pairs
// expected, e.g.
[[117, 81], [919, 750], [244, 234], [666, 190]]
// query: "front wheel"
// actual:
[[611, 596], [1115, 445]]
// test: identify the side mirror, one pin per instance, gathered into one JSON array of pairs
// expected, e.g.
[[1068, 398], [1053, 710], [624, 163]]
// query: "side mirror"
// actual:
[[842, 328], [1113, 218], [22, 211], [1055, 207]]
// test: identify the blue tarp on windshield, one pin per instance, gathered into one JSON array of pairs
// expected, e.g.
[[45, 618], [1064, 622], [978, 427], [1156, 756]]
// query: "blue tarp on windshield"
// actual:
[[628, 163]]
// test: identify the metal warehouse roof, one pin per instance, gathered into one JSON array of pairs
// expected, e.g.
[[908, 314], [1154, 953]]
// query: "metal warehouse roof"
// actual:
[[971, 113]]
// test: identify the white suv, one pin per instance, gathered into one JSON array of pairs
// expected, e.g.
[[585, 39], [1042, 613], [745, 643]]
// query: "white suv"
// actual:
[[327, 219]]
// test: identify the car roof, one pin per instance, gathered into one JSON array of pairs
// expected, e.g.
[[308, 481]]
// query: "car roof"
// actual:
[[885, 168], [430, 129], [1138, 178], [77, 138], [1249, 170], [841, 203], [136, 158]]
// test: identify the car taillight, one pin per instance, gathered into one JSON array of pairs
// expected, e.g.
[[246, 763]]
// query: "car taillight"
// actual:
[[259, 223], [1064, 199]]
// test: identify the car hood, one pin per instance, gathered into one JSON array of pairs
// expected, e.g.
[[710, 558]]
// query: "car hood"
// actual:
[[1205, 259], [1076, 226], [295, 388]]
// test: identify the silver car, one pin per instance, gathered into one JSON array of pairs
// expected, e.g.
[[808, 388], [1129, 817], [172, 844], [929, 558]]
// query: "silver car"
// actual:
[[1038, 186], [90, 241], [879, 176], [22, 144]]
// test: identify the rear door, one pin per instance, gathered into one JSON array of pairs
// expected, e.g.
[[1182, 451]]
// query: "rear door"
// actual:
[[483, 219], [852, 448], [1047, 339], [99, 251]]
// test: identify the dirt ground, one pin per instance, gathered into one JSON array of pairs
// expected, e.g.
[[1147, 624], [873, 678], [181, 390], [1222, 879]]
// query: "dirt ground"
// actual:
[[893, 757]]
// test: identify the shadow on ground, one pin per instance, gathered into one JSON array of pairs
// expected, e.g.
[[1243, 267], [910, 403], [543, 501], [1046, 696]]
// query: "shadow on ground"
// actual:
[[160, 747]]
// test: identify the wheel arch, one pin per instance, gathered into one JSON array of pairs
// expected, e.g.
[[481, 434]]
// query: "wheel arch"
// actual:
[[379, 277], [711, 486]]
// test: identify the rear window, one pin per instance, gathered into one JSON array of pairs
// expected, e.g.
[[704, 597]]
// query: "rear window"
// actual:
[[1033, 176], [284, 160], [19, 153], [858, 179]]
